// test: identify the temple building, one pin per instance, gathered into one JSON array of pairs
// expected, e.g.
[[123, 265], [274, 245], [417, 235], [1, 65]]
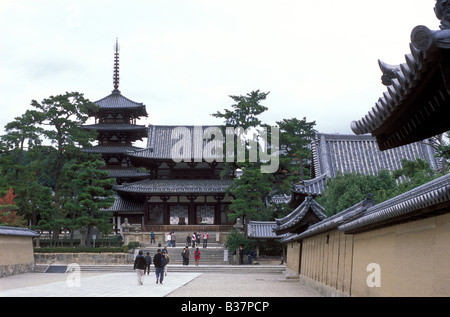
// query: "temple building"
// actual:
[[341, 153], [404, 240], [153, 189]]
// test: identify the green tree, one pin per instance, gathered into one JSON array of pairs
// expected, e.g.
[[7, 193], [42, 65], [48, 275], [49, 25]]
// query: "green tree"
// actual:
[[86, 195], [252, 187], [295, 137], [59, 119], [245, 111], [441, 144], [38, 144], [51, 218], [250, 191], [346, 190], [413, 174]]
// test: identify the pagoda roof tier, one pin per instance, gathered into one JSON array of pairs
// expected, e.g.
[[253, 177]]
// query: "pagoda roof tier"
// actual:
[[116, 101], [416, 104], [175, 187], [116, 127], [110, 149], [162, 139]]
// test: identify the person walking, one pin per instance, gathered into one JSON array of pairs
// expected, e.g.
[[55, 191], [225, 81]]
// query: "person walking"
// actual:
[[185, 255], [194, 240], [174, 240], [148, 262], [160, 262], [152, 237], [197, 255], [251, 255], [241, 255], [188, 239], [165, 254], [205, 239], [139, 266], [169, 239]]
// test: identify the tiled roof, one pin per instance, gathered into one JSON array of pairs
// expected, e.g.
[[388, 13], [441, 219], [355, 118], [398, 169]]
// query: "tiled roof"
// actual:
[[290, 222], [332, 222], [127, 173], [107, 149], [175, 186], [422, 199], [416, 104], [360, 154], [262, 230], [116, 127], [13, 231], [365, 215], [116, 100], [313, 187], [126, 206], [162, 140]]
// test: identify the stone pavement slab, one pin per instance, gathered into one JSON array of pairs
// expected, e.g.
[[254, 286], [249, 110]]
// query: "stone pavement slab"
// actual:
[[96, 285]]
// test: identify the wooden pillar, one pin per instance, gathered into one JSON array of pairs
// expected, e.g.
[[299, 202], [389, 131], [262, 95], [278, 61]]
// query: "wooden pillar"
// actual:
[[217, 210], [146, 212], [192, 213], [166, 217]]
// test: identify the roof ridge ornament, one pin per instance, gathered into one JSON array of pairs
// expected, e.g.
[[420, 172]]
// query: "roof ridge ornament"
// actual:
[[442, 11], [116, 67]]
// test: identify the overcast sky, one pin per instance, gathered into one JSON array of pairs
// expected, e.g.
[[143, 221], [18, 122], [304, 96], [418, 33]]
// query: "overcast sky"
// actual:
[[183, 58]]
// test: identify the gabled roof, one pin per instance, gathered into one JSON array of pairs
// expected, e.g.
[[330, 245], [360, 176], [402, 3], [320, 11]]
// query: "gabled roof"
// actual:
[[334, 221], [262, 230], [302, 217], [416, 104], [164, 139], [333, 153]]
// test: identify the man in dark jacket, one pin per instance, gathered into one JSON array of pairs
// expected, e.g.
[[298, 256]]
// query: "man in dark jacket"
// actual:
[[185, 255], [148, 262], [139, 266], [160, 262]]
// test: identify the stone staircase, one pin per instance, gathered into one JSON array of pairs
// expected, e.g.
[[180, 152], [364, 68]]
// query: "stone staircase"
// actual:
[[202, 268], [210, 255]]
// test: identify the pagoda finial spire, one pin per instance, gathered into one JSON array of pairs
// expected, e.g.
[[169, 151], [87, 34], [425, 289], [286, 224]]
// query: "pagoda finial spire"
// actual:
[[116, 66]]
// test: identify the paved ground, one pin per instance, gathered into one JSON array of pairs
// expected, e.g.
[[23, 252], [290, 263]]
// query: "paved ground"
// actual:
[[175, 285]]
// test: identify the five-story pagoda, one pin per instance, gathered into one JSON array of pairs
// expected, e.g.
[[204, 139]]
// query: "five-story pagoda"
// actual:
[[115, 122]]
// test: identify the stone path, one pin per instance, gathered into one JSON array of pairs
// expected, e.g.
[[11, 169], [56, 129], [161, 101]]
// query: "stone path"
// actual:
[[176, 284]]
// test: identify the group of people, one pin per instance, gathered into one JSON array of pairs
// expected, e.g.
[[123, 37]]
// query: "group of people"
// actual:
[[171, 239], [143, 263], [185, 254], [251, 255], [195, 239]]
